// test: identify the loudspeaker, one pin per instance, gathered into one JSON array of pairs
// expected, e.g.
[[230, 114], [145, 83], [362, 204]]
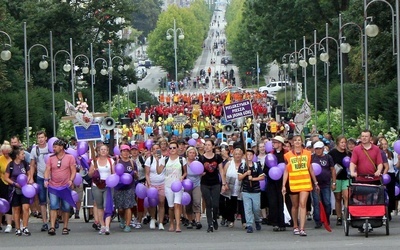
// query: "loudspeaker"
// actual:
[[228, 129], [108, 123]]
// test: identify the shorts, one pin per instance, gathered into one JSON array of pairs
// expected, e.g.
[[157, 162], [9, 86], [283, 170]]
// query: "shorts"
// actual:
[[55, 202], [342, 185], [173, 197], [79, 190], [18, 200], [42, 191], [160, 189]]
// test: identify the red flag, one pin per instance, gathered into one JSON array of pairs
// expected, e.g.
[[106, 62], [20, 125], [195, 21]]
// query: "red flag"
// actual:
[[322, 216]]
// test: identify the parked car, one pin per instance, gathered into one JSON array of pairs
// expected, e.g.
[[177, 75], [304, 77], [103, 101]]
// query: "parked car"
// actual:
[[274, 87], [147, 64], [226, 60], [141, 72]]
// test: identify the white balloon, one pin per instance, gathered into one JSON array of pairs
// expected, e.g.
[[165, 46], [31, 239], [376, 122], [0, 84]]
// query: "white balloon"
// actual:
[[195, 136]]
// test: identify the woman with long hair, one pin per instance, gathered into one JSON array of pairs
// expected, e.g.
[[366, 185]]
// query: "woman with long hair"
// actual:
[[383, 145], [340, 188], [301, 179]]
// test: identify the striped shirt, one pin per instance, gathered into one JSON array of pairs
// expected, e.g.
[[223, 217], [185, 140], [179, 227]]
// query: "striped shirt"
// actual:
[[298, 170]]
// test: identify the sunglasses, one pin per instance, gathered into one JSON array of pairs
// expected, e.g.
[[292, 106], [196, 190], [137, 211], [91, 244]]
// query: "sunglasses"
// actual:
[[172, 147], [59, 163]]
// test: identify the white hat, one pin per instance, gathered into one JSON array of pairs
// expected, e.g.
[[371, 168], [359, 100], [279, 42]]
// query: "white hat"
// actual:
[[231, 143], [195, 136], [319, 144], [224, 144], [308, 144]]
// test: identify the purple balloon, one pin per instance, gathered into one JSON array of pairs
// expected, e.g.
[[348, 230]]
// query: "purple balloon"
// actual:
[[396, 190], [126, 179], [78, 179], [46, 158], [186, 199], [112, 180], [386, 179], [268, 146], [152, 202], [282, 166], [271, 160], [119, 169], [72, 152], [275, 173], [317, 168], [196, 167], [22, 179], [141, 191], [50, 143], [146, 202], [4, 206], [346, 161], [263, 185], [396, 146], [255, 158], [36, 186], [176, 186], [116, 150], [152, 193], [148, 144], [84, 161], [187, 184], [28, 191], [82, 147], [192, 142], [75, 196]]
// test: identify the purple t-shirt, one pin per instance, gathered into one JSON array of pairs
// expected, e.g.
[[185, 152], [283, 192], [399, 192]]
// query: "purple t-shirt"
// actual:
[[326, 162], [130, 169], [18, 169]]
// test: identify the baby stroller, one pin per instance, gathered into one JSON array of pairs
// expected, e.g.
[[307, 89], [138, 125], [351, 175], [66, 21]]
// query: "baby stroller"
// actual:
[[367, 208]]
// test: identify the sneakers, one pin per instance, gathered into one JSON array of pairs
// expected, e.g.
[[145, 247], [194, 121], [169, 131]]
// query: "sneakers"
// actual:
[[122, 224], [8, 229], [127, 229], [102, 231], [198, 225], [96, 226], [223, 222], [138, 226], [258, 226], [302, 233], [18, 232], [309, 217], [26, 232], [152, 224], [339, 221], [44, 228], [264, 221], [107, 231], [249, 229], [215, 224], [296, 231], [318, 225], [160, 226], [134, 222]]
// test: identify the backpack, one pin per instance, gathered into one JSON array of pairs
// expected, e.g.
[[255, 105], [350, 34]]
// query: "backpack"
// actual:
[[12, 166], [142, 161], [180, 161]]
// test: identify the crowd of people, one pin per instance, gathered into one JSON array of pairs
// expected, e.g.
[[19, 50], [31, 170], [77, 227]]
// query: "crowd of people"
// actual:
[[236, 182]]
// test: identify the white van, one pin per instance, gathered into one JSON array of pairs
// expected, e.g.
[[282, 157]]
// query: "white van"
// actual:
[[274, 87]]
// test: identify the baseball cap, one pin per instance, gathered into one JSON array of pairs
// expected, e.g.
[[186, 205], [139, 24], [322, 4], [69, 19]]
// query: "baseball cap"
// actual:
[[125, 147], [134, 147], [224, 144], [279, 138], [231, 143], [308, 144], [319, 144]]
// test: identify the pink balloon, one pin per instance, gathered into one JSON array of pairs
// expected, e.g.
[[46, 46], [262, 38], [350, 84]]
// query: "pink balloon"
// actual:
[[22, 179], [119, 169], [4, 206], [141, 191], [386, 179], [176, 186], [78, 179], [396, 190], [192, 142], [82, 147], [275, 173], [75, 196], [396, 146], [187, 184], [116, 150], [271, 160], [28, 191], [346, 161], [112, 180], [186, 199], [50, 143], [268, 146], [126, 179], [317, 168], [263, 185], [196, 167], [152, 193]]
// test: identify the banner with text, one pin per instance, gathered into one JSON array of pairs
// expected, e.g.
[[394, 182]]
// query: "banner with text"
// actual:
[[238, 110]]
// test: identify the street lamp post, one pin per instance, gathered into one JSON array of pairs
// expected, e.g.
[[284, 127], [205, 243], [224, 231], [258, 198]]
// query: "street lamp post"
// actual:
[[372, 30], [92, 71], [344, 49], [324, 56], [313, 61], [43, 65], [180, 37], [285, 66], [5, 53]]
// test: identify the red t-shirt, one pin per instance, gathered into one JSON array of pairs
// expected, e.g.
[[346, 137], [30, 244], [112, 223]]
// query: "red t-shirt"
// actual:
[[363, 163]]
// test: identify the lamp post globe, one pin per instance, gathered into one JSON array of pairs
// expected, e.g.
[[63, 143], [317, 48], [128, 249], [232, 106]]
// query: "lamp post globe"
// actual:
[[371, 30], [5, 55]]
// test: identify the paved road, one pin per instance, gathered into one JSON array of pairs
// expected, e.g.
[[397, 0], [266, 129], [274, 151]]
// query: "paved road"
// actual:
[[82, 236]]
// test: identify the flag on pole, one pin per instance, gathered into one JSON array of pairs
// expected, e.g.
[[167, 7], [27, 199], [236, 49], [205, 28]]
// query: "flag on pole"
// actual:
[[228, 99], [302, 117]]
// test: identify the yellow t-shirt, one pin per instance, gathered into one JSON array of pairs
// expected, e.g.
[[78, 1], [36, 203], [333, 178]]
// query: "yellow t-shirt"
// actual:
[[3, 166]]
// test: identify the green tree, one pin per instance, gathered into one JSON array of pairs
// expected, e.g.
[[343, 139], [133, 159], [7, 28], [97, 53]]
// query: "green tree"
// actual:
[[145, 16]]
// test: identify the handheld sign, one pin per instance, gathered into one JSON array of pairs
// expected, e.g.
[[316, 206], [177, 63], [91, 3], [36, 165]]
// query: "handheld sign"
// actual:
[[237, 110], [92, 133]]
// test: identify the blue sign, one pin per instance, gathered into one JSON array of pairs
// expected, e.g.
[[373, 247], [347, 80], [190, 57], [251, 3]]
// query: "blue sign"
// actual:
[[224, 121], [92, 133]]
